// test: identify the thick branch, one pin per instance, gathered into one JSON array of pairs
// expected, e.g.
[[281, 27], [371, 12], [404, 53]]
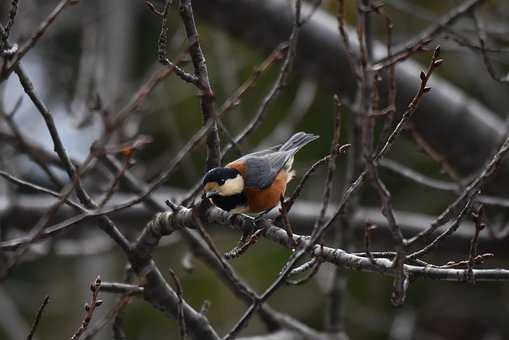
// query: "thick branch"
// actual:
[[167, 222]]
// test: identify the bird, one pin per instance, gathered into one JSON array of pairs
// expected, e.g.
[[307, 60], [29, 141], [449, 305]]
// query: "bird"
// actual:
[[256, 182]]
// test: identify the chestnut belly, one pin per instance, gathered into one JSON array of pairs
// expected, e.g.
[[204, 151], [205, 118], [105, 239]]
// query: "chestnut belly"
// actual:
[[259, 200]]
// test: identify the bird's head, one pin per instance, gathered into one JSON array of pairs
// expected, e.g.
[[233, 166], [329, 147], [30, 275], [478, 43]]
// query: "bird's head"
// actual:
[[223, 182]]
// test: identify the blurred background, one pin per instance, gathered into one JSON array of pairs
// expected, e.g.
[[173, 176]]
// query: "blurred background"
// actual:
[[95, 57]]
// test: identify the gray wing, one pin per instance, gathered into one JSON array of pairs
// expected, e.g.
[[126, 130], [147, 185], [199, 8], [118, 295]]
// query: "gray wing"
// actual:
[[263, 166], [261, 152], [262, 170]]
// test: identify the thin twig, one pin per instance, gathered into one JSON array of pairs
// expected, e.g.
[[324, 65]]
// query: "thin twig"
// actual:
[[113, 314], [468, 194], [481, 34], [207, 95], [279, 84], [162, 48], [27, 147], [35, 187], [12, 16], [417, 44], [41, 30], [332, 162], [437, 184], [478, 216], [180, 294], [139, 97], [452, 228], [341, 15], [38, 317], [401, 279], [89, 308], [278, 54], [283, 211]]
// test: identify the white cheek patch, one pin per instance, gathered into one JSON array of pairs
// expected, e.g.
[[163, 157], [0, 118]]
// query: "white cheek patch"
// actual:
[[232, 186]]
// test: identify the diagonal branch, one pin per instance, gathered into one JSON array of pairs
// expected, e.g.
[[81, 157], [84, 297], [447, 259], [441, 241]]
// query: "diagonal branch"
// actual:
[[203, 83]]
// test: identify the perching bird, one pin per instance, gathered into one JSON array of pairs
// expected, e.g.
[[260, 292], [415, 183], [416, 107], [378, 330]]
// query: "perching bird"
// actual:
[[255, 182]]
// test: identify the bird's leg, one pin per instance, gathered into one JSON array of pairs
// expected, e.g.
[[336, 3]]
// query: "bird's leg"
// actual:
[[258, 217], [248, 238], [256, 227], [246, 241]]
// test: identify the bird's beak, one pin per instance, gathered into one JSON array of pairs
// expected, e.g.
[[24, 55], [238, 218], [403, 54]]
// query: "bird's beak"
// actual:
[[210, 193]]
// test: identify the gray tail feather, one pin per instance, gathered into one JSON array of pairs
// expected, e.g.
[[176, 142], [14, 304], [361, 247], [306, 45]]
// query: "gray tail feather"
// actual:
[[297, 141]]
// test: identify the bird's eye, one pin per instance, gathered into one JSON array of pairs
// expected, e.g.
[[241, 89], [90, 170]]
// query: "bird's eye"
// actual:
[[220, 182]]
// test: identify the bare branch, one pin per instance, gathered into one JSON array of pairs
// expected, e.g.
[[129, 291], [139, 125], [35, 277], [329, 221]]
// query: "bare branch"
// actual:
[[43, 27], [38, 317], [207, 95], [89, 308], [467, 196], [167, 222], [482, 45], [416, 44], [4, 34]]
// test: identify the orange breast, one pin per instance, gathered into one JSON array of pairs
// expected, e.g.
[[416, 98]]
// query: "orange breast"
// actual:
[[260, 200]]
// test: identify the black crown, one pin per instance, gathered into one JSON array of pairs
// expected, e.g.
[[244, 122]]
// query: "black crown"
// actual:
[[220, 174]]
